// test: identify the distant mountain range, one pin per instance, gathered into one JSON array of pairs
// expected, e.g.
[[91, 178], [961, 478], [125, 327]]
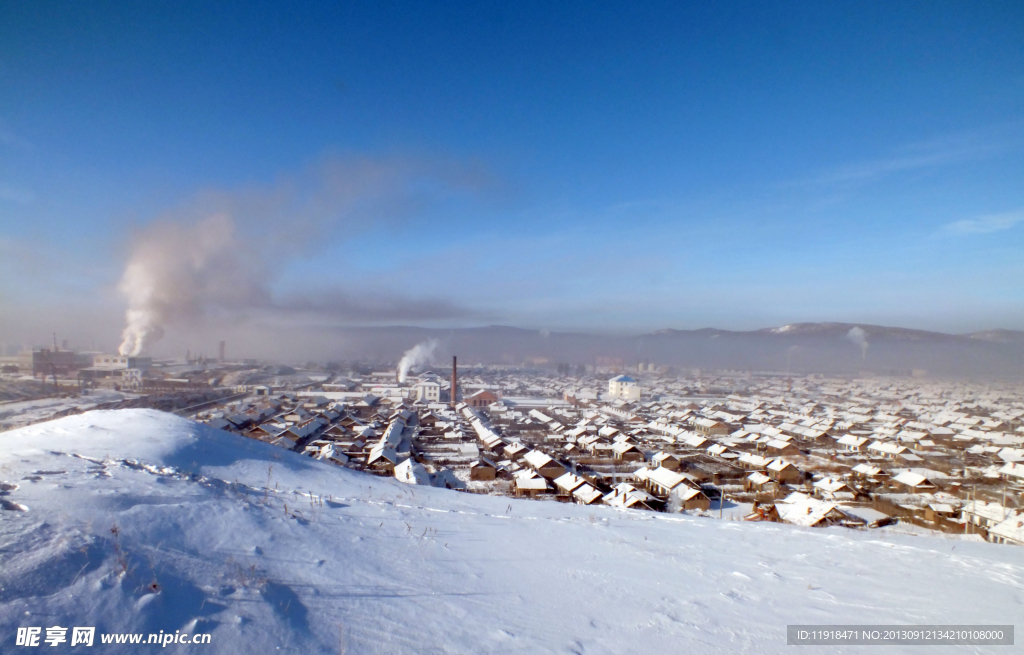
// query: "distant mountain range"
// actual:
[[798, 347]]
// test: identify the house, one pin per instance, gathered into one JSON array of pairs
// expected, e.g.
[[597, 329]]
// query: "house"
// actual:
[[716, 450], [430, 419], [624, 387], [760, 482], [886, 449], [530, 485], [784, 473], [482, 470], [709, 427], [1010, 531], [831, 489], [914, 481], [763, 513], [262, 432], [299, 432], [334, 432], [427, 391], [662, 481], [586, 495], [481, 398], [666, 460], [625, 451], [567, 483], [938, 511], [514, 450], [801, 509], [334, 454], [685, 497], [868, 472], [543, 464], [412, 472], [219, 423], [984, 515], [382, 458], [754, 462], [297, 416], [626, 496], [778, 448], [695, 441], [1012, 472]]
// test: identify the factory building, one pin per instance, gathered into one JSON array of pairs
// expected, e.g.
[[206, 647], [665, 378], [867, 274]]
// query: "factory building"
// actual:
[[121, 362], [107, 366], [53, 362]]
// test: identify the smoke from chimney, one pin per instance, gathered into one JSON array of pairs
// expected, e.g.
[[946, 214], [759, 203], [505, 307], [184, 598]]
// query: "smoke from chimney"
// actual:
[[455, 380], [419, 355], [859, 337], [193, 262], [177, 270]]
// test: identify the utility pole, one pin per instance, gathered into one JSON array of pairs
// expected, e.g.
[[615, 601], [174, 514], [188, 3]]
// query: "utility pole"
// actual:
[[974, 504], [967, 519]]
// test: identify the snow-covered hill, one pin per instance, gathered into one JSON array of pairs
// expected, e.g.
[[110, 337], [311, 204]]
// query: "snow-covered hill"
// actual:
[[139, 521]]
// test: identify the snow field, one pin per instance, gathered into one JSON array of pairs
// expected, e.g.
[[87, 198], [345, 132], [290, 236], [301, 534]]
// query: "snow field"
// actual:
[[274, 552]]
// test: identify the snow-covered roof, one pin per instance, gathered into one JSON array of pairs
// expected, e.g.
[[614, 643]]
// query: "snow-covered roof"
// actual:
[[807, 511], [912, 479], [531, 484], [666, 478], [586, 494], [412, 472], [831, 485], [568, 481], [1012, 529]]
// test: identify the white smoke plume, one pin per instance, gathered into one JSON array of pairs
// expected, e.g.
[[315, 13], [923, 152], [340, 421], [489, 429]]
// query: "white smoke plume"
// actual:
[[220, 255], [859, 337], [176, 271], [419, 355]]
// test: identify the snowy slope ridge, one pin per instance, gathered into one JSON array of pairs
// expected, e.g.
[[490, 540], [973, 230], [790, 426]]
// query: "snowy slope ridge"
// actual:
[[218, 534]]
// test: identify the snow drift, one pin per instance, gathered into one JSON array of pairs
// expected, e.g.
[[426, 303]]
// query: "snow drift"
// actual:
[[139, 521]]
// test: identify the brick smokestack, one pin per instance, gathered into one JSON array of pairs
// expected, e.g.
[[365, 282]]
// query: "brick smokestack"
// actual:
[[455, 380]]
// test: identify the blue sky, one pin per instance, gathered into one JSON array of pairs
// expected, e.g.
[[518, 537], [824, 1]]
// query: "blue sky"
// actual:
[[598, 166]]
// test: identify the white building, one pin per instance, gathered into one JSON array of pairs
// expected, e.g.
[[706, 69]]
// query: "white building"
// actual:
[[121, 362], [427, 391], [624, 387]]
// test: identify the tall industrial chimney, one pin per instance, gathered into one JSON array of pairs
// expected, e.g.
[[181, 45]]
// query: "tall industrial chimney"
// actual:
[[223, 346], [455, 380]]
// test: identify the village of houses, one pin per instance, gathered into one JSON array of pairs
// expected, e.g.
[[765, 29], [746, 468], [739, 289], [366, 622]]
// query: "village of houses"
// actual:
[[864, 453]]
